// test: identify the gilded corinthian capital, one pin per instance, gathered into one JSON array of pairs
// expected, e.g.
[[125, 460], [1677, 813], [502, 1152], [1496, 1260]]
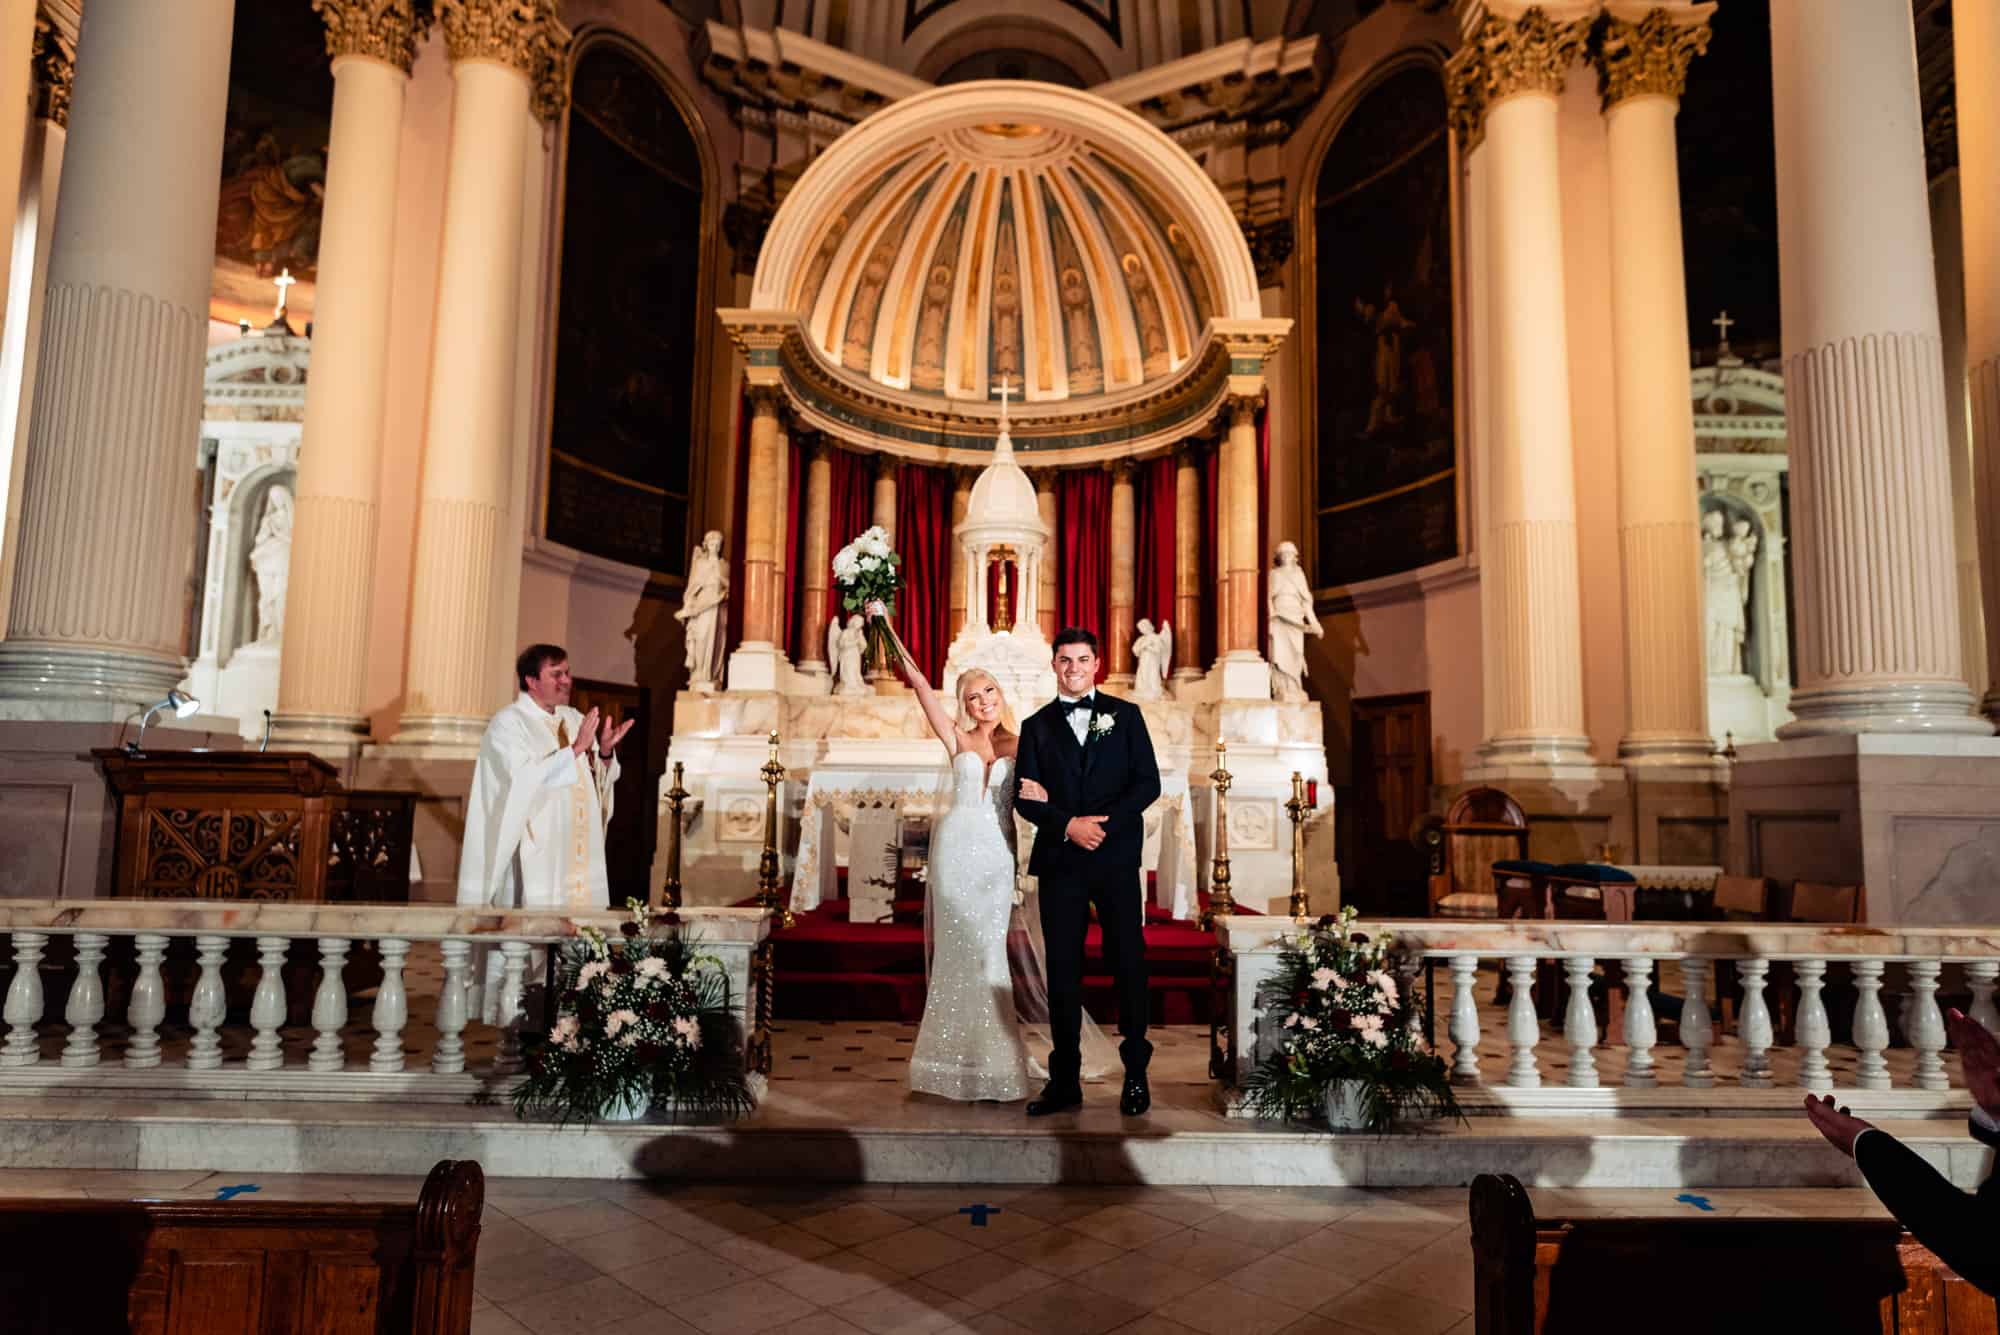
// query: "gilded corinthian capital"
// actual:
[[1465, 95], [1531, 54], [384, 30], [54, 66], [516, 33], [1649, 55]]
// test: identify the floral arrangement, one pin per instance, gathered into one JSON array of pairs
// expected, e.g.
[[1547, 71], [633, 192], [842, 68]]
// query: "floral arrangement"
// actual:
[[641, 1018], [1340, 1017], [868, 570]]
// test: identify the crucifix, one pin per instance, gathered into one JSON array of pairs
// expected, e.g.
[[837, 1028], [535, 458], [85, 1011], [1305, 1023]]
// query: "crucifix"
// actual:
[[1722, 323], [1006, 387], [283, 283]]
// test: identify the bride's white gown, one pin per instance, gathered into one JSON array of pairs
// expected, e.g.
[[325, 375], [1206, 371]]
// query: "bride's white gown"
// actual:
[[969, 1045]]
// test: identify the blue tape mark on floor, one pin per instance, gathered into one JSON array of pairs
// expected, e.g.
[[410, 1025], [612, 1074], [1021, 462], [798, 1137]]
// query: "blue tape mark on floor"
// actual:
[[979, 1213], [1698, 1202], [240, 1189]]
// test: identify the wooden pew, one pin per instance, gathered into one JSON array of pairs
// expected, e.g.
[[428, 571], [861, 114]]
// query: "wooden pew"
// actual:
[[244, 1266], [1551, 1276]]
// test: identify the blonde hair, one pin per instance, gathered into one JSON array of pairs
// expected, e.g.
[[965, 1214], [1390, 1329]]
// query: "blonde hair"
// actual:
[[977, 676]]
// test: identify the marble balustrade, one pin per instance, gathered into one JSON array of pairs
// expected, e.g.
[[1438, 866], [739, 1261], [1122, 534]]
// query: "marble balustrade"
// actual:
[[1677, 960], [462, 937]]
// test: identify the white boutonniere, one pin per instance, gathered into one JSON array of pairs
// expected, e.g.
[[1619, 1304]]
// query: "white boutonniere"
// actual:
[[1102, 725]]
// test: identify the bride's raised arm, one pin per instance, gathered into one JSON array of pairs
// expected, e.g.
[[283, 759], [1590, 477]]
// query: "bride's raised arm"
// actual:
[[942, 725]]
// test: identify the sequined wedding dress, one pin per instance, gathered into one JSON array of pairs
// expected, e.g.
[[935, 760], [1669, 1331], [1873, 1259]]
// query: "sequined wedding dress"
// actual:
[[969, 1045]]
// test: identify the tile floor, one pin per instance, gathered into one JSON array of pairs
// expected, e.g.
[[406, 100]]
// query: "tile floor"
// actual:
[[561, 1256]]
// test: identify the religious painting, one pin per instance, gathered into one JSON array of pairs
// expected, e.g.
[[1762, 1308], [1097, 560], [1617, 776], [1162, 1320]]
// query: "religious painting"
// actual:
[[1103, 12], [1386, 456], [267, 218], [626, 326]]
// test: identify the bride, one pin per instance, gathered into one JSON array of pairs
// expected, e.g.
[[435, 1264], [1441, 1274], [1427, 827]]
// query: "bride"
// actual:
[[969, 1045]]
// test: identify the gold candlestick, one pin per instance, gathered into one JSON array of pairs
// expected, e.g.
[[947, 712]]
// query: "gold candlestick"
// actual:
[[1297, 809], [769, 891], [670, 893], [1219, 899]]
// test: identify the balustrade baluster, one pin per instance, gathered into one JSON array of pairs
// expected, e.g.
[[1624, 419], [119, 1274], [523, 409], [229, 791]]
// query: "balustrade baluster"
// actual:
[[1753, 1024], [1464, 1027], [205, 1008], [1697, 1029], [392, 1008], [267, 1005], [1641, 1032], [148, 1005], [449, 1059], [23, 1010], [1814, 1032], [1926, 1025], [1580, 1024], [1871, 1026], [1981, 975], [1524, 1028], [513, 970], [86, 1001], [329, 1010]]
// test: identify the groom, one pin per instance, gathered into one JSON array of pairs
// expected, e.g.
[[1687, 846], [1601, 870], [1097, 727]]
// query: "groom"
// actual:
[[1092, 755]]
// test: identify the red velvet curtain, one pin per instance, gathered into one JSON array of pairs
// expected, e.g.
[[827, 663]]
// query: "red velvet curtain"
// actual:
[[923, 539], [1083, 527], [852, 501], [738, 524], [794, 538], [1157, 515], [1211, 558]]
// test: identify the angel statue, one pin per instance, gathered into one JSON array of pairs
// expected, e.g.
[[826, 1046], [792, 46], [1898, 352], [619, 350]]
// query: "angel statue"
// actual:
[[845, 648], [1154, 652]]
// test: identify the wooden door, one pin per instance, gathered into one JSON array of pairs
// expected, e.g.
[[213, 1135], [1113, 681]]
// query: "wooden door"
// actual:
[[634, 829], [1392, 785]]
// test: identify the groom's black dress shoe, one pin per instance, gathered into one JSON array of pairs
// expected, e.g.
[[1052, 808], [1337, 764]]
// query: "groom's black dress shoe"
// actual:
[[1137, 1096], [1053, 1100]]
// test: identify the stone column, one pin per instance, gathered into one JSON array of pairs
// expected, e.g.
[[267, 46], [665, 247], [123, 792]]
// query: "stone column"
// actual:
[[1975, 41], [95, 629], [323, 673], [1220, 575], [817, 576], [1239, 531], [1536, 714], [1872, 526], [885, 494], [1643, 59], [1045, 579], [496, 47], [781, 554], [1119, 628], [763, 601], [1948, 263], [1187, 562], [961, 500]]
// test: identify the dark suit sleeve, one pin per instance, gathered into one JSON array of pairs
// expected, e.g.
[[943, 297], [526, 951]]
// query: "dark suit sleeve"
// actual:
[[1142, 788], [1959, 1227], [1047, 820]]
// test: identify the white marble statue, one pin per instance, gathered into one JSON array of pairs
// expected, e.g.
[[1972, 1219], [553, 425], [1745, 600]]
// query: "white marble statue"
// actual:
[[1726, 562], [702, 611], [270, 562], [846, 647], [1153, 651], [1290, 608]]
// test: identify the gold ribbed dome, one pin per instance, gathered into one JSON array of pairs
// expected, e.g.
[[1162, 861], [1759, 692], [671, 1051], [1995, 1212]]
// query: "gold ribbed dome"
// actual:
[[1010, 250]]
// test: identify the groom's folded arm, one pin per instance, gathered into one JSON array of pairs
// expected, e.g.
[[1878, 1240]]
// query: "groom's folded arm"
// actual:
[[1044, 816]]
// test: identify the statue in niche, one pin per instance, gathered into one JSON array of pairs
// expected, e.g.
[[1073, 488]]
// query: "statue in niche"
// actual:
[[1152, 327], [701, 612], [1290, 607], [1726, 562], [1154, 653], [271, 562], [1006, 324], [930, 325], [1389, 325], [846, 648]]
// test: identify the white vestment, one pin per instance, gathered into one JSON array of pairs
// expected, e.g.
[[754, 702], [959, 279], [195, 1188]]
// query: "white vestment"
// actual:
[[534, 825]]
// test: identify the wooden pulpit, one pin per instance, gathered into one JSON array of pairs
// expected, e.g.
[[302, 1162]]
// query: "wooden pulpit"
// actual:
[[254, 825]]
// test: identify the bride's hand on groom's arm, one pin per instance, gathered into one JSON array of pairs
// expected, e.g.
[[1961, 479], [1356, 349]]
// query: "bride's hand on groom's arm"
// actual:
[[1033, 792]]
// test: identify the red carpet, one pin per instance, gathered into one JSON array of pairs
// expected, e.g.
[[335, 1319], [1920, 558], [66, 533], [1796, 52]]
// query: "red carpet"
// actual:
[[831, 969]]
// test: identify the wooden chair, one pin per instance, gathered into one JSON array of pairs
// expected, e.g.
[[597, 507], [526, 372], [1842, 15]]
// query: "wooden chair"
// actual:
[[1740, 897], [244, 1266], [1482, 827], [1815, 901]]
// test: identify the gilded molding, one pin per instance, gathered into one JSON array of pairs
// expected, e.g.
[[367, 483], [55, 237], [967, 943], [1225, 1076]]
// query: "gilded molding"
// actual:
[[1530, 55], [515, 33], [386, 30], [1649, 58], [1465, 95], [550, 77], [54, 70]]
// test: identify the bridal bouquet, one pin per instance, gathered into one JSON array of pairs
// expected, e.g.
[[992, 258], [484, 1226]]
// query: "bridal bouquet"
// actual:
[[1344, 1046], [638, 1019], [865, 571]]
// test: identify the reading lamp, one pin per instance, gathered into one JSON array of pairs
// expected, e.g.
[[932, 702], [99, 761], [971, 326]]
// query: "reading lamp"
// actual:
[[184, 706]]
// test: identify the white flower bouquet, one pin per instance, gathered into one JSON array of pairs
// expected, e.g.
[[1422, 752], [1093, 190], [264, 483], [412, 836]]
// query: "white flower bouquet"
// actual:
[[869, 570]]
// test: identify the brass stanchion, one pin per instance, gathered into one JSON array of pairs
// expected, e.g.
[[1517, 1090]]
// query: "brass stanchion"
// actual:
[[1219, 899], [1297, 809], [1222, 966], [769, 892], [669, 896]]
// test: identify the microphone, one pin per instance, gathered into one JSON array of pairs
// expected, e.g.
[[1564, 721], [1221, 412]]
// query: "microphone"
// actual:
[[265, 745]]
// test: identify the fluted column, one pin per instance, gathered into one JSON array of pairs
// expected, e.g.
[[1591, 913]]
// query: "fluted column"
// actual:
[[1124, 575], [1643, 59], [1535, 715], [1045, 578], [961, 501], [1187, 563], [1975, 41], [496, 47], [323, 673], [1864, 387], [817, 576], [95, 626], [1239, 531]]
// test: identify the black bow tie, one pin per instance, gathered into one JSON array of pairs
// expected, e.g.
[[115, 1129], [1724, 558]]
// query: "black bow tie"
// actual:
[[1072, 706]]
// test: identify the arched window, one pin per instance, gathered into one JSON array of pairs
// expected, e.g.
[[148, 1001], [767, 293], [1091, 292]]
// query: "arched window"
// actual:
[[1386, 460], [628, 316]]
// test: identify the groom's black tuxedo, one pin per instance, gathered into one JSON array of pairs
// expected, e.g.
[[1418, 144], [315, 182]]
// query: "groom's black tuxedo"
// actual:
[[1111, 773]]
